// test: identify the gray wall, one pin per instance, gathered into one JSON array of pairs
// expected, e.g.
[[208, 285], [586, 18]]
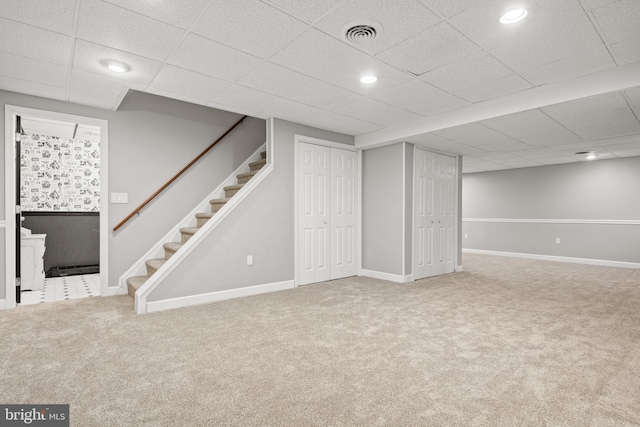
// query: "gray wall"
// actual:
[[382, 209], [150, 139], [598, 190], [408, 216], [263, 226]]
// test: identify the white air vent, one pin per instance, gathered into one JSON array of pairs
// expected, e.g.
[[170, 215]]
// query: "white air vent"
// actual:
[[362, 31]]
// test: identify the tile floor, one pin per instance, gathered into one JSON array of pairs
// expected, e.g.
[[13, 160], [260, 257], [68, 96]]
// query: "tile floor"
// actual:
[[63, 288]]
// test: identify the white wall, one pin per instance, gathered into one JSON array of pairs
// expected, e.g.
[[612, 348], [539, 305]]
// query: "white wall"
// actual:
[[603, 193], [150, 139], [262, 226]]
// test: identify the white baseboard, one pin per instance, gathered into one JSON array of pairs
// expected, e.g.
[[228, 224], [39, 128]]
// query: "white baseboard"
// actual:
[[601, 262], [458, 269], [167, 304], [408, 278], [3, 304], [383, 276], [114, 290]]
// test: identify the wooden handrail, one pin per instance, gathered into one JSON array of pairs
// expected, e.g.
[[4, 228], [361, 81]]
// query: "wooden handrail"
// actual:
[[176, 176]]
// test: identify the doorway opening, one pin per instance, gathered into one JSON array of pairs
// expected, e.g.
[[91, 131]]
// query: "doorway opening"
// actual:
[[58, 165]]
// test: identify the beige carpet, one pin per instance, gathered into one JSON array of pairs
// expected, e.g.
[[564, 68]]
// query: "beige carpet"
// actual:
[[509, 342]]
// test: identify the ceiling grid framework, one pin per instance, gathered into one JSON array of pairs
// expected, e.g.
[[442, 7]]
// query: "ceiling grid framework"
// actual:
[[287, 59]]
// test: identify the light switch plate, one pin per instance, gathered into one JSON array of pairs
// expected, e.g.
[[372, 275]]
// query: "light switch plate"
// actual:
[[119, 197]]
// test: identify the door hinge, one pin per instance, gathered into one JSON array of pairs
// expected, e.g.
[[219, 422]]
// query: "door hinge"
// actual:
[[18, 136]]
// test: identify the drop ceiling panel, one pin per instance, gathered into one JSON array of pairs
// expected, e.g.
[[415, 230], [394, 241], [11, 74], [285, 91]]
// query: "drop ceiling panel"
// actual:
[[358, 127], [627, 52], [208, 57], [415, 96], [501, 146], [499, 157], [376, 112], [250, 26], [552, 31], [190, 83], [307, 115], [619, 21], [557, 160], [622, 124], [87, 57], [178, 13], [324, 95], [467, 72], [537, 153], [323, 57], [473, 134], [49, 15], [245, 100], [532, 127], [579, 65], [97, 85], [31, 88], [448, 7], [500, 87], [624, 146], [105, 102], [34, 42], [430, 49], [399, 21], [627, 153], [121, 29], [32, 70], [575, 147], [277, 80], [307, 11], [466, 151], [618, 139], [634, 96]]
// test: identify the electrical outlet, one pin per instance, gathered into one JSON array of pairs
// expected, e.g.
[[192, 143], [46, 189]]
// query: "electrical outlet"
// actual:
[[249, 259], [557, 240]]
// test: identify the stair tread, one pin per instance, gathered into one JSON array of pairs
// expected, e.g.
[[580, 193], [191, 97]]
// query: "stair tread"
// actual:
[[244, 175], [173, 246], [204, 215], [155, 262], [189, 230], [233, 187], [259, 162], [224, 200], [137, 281]]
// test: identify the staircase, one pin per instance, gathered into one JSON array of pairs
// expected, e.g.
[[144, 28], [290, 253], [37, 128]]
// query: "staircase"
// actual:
[[170, 248]]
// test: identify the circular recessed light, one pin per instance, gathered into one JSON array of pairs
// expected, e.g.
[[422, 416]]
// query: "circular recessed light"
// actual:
[[512, 16], [591, 156], [368, 79], [116, 66]]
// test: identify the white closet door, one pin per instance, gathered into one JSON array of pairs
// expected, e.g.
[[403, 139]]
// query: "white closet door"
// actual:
[[344, 169], [434, 214], [424, 239], [314, 177]]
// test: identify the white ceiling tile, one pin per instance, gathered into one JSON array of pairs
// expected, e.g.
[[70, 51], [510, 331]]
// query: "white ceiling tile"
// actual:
[[324, 95], [436, 143], [591, 111], [399, 21], [376, 112], [623, 124], [87, 57], [277, 80], [245, 100], [439, 105], [618, 139], [178, 13], [430, 49], [31, 70], [465, 150], [178, 96], [122, 29], [624, 146], [584, 63], [208, 57], [564, 149], [532, 127], [469, 169], [595, 4], [429, 138], [416, 96], [31, 88], [106, 102], [627, 153], [467, 72], [189, 83], [358, 128], [634, 96], [473, 134], [552, 31], [500, 157], [519, 163], [54, 15], [323, 57], [620, 20], [306, 10], [249, 25], [34, 43], [537, 153], [500, 87], [503, 146], [98, 85], [628, 51], [557, 160], [481, 164], [448, 7]]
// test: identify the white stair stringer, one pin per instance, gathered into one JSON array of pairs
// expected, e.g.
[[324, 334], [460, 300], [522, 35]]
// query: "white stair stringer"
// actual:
[[157, 250], [153, 281]]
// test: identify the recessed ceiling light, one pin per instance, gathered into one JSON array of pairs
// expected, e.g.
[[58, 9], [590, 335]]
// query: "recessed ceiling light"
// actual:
[[116, 66], [591, 156], [512, 16], [368, 79]]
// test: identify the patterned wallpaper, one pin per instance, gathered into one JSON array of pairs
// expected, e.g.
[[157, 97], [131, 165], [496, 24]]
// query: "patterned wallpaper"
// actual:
[[59, 174]]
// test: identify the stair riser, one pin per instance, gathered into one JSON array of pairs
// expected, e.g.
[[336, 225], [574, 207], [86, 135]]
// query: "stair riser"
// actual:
[[244, 179], [168, 254], [230, 193], [201, 221], [185, 237], [132, 291], [254, 168], [151, 271], [215, 207]]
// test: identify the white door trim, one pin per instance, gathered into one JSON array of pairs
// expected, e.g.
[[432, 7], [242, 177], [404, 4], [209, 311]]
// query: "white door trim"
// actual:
[[9, 194], [330, 144]]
